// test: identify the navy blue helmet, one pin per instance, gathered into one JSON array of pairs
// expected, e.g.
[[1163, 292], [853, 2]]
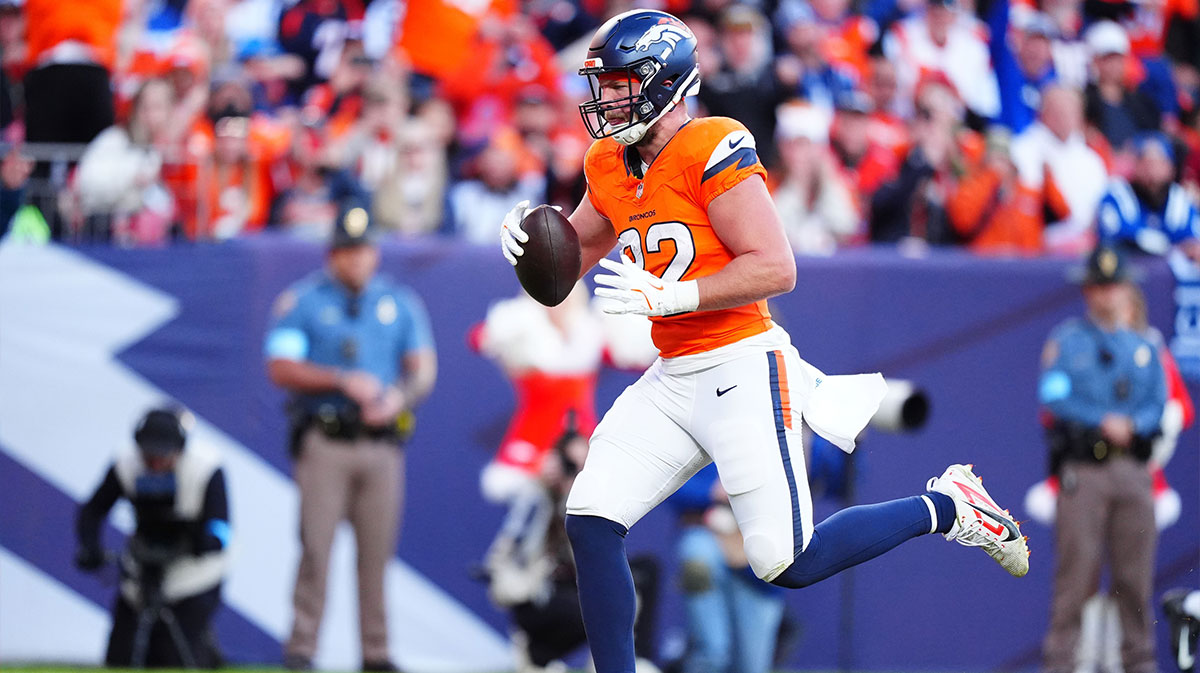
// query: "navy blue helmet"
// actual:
[[646, 46]]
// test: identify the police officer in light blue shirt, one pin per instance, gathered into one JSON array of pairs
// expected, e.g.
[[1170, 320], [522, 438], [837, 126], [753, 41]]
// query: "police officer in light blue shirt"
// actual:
[[356, 353], [1104, 387]]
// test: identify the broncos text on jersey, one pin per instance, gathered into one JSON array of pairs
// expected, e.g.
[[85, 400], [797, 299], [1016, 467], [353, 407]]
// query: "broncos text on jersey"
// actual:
[[661, 221]]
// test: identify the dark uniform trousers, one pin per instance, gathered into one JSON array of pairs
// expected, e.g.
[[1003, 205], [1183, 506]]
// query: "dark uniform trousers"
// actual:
[[360, 481], [1104, 508]]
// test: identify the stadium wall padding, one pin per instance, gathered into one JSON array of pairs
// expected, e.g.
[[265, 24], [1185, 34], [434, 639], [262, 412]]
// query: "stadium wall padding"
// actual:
[[968, 330]]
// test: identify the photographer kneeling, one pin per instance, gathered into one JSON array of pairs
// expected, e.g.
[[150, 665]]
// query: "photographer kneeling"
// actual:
[[173, 565]]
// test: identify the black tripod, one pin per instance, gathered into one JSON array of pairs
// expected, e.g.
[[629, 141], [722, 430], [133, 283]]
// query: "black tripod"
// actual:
[[154, 608]]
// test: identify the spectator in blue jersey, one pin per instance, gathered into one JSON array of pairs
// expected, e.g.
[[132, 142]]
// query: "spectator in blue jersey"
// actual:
[[805, 69], [1024, 69], [316, 31], [1151, 211], [732, 618]]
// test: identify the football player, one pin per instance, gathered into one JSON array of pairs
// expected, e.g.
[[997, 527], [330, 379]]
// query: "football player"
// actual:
[[702, 249]]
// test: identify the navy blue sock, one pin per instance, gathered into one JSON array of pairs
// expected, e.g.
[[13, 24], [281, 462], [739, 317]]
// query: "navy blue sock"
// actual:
[[606, 596], [946, 512], [854, 535]]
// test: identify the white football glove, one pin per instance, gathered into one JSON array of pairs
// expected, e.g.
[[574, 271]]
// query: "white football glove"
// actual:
[[634, 290], [511, 233]]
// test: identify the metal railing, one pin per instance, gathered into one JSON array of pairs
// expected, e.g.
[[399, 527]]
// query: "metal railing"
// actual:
[[50, 188]]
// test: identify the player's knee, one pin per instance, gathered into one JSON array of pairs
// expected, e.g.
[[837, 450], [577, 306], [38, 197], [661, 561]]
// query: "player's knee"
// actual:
[[797, 573], [586, 531], [767, 557]]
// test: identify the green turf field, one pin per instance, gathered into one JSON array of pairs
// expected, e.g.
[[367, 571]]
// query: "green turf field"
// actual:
[[88, 669]]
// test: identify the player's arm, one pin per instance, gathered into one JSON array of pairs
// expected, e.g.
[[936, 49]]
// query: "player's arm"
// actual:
[[596, 234], [763, 266]]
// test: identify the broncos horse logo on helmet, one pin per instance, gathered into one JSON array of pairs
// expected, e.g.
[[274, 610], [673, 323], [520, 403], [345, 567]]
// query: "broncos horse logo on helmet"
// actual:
[[629, 44], [662, 33]]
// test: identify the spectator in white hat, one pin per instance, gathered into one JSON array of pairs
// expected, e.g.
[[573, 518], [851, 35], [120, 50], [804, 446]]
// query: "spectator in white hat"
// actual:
[[814, 199], [1116, 109]]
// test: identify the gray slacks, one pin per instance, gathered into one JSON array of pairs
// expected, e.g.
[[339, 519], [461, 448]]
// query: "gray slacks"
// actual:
[[360, 481], [1105, 512]]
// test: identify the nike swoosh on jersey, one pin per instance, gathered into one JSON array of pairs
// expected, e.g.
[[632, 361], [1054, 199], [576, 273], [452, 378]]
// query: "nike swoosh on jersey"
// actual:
[[733, 145], [722, 392]]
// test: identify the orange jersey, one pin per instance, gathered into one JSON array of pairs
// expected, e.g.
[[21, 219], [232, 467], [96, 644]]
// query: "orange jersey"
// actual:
[[662, 221]]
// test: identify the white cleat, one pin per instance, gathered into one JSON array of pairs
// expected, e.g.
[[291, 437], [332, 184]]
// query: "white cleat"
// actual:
[[980, 522]]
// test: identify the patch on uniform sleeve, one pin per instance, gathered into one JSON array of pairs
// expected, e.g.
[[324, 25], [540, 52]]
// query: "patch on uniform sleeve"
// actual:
[[1055, 386], [287, 343], [735, 149], [1141, 357], [284, 304], [385, 310]]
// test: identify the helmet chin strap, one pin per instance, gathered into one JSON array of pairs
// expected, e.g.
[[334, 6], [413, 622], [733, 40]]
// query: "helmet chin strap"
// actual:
[[638, 131], [635, 132]]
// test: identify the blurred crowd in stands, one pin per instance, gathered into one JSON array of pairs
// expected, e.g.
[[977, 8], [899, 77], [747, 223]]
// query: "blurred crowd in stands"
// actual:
[[997, 125]]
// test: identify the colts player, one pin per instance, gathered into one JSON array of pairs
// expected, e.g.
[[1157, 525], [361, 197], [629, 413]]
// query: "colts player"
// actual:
[[702, 249]]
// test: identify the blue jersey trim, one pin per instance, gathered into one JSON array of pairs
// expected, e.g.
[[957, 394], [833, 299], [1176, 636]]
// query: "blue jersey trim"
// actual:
[[744, 157], [781, 435]]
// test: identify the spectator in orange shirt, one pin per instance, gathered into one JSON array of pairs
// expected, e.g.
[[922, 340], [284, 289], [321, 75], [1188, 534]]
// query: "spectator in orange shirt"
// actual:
[[887, 128], [994, 212], [232, 199], [71, 50], [866, 162], [508, 56], [338, 103], [912, 207]]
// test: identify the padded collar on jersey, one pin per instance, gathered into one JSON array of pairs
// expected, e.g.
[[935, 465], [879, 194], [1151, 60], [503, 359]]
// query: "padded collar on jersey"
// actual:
[[633, 160]]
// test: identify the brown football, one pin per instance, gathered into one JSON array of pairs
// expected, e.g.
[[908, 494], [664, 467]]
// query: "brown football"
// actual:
[[550, 266]]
